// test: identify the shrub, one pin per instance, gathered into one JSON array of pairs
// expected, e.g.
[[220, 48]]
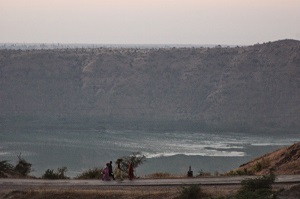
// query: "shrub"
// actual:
[[258, 188], [95, 173], [59, 174], [257, 167], [23, 167], [49, 174], [191, 192], [240, 172], [160, 175], [263, 164], [5, 168], [202, 173]]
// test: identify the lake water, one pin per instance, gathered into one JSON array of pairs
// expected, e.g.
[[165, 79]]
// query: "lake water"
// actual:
[[173, 152]]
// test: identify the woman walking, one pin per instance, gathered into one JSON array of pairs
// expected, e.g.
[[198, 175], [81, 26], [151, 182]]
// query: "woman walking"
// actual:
[[118, 171], [130, 171], [106, 173]]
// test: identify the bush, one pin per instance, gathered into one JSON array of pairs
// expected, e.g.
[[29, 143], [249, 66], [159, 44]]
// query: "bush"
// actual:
[[240, 172], [257, 167], [23, 167], [91, 174], [202, 173], [59, 174], [49, 174], [191, 192], [258, 188], [263, 164], [160, 175], [5, 168]]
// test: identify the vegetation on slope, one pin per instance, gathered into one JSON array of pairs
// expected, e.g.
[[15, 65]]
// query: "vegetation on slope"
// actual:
[[282, 161], [251, 88]]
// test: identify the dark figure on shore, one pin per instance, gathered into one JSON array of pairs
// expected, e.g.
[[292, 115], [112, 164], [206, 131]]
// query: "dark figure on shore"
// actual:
[[110, 169], [130, 171], [190, 172]]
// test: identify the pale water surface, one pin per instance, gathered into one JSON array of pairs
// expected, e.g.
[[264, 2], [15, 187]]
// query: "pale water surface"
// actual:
[[173, 152]]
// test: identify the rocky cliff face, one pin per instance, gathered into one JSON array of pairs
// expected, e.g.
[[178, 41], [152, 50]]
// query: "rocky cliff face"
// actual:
[[252, 88]]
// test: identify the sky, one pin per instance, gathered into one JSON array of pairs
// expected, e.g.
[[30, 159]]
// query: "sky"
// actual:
[[224, 22]]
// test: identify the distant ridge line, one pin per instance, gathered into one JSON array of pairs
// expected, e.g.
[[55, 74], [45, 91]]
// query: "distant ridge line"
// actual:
[[30, 46]]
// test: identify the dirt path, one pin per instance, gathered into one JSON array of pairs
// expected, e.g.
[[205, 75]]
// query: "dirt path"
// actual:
[[213, 181], [139, 188]]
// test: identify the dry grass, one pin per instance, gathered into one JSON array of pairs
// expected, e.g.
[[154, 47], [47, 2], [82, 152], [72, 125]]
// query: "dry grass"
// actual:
[[163, 175], [132, 192], [120, 193], [282, 161]]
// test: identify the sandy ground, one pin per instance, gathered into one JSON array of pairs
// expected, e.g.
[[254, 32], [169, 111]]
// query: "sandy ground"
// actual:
[[122, 192], [136, 189]]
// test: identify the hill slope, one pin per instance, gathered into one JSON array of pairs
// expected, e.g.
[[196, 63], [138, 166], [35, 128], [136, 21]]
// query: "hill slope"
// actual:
[[282, 161], [252, 88]]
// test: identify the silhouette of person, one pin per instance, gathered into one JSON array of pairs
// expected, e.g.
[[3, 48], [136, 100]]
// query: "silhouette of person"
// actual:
[[190, 172], [111, 174], [130, 171]]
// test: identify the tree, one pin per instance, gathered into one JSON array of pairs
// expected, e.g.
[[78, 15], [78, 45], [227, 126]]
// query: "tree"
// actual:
[[23, 167], [59, 174], [135, 158], [5, 168]]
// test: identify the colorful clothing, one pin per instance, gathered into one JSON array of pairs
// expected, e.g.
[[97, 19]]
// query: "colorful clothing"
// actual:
[[106, 174], [118, 173]]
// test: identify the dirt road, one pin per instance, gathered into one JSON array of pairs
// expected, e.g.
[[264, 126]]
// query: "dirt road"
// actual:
[[85, 184]]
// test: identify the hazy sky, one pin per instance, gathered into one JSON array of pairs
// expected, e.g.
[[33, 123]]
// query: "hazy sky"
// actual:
[[236, 22]]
